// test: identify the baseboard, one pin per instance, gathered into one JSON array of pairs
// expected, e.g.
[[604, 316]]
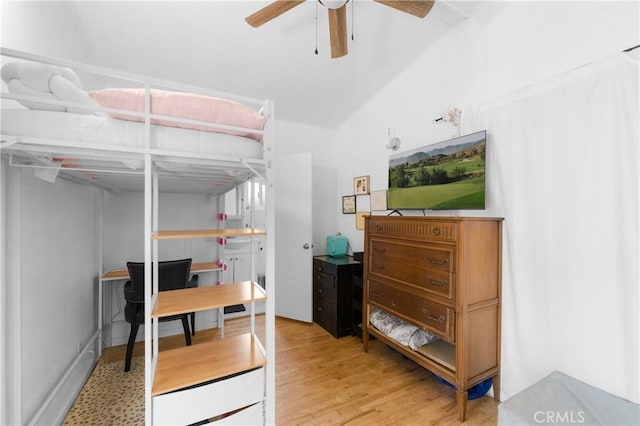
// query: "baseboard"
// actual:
[[61, 398]]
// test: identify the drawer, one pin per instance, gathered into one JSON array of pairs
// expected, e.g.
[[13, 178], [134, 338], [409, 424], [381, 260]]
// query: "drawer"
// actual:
[[435, 318], [429, 268], [326, 267], [390, 297], [433, 257], [420, 228], [221, 396], [324, 285], [430, 316], [324, 314]]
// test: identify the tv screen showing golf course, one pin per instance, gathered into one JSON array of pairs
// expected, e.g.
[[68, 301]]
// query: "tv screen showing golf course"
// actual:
[[448, 175]]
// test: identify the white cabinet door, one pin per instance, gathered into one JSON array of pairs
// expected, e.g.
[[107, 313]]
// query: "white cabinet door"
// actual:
[[238, 268]]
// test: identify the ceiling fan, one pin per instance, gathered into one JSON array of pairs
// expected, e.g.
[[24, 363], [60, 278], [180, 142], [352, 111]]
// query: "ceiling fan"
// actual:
[[337, 17]]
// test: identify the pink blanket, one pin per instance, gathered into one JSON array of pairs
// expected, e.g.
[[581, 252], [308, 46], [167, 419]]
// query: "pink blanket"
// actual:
[[183, 105]]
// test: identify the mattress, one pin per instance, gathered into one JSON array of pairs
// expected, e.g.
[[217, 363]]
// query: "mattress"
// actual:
[[562, 400], [98, 130]]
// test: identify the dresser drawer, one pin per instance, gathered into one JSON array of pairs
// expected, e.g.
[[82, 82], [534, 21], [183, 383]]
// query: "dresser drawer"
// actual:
[[390, 297], [413, 229], [430, 316], [435, 318], [427, 267], [324, 314], [324, 285], [392, 253], [326, 267]]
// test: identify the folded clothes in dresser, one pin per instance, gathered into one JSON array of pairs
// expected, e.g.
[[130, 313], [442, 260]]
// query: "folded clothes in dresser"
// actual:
[[400, 331]]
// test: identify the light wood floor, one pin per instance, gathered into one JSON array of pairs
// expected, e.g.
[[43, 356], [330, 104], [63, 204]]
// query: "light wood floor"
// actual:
[[325, 381]]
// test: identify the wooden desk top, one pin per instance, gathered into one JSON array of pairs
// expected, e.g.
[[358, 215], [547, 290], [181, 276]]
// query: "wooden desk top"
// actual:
[[123, 274]]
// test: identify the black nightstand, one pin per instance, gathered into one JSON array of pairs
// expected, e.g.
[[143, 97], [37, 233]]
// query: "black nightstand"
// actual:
[[333, 293]]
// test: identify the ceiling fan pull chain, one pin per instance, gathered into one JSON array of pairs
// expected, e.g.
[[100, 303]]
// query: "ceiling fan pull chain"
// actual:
[[316, 51], [352, 19]]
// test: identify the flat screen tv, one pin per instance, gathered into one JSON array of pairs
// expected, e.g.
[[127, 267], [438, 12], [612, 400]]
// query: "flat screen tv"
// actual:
[[449, 175]]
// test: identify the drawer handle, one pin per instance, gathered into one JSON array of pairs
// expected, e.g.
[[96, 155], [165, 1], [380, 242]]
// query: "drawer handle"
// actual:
[[319, 308], [319, 290], [379, 266], [436, 231], [320, 268], [379, 250], [378, 227], [438, 261], [439, 283], [373, 293], [439, 318]]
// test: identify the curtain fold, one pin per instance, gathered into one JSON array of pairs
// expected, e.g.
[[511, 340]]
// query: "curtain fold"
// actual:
[[563, 172]]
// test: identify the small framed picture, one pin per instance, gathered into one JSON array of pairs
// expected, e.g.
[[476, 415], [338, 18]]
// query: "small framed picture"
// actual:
[[361, 185], [360, 219], [349, 204], [378, 200]]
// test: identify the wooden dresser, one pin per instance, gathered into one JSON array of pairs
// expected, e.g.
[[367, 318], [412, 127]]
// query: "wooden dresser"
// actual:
[[442, 274]]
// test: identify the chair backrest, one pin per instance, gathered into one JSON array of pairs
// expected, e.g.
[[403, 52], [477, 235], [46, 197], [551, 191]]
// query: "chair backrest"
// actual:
[[172, 275]]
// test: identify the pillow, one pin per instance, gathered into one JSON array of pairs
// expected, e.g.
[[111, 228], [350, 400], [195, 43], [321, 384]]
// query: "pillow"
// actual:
[[182, 105], [16, 86], [46, 82], [65, 90]]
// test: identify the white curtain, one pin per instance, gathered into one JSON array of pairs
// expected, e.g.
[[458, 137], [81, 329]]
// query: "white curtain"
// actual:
[[562, 164]]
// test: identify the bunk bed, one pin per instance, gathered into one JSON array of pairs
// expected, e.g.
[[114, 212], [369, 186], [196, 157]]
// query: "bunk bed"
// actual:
[[149, 135]]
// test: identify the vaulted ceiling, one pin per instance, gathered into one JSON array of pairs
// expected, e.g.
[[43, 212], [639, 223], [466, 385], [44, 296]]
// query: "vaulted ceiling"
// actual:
[[208, 43]]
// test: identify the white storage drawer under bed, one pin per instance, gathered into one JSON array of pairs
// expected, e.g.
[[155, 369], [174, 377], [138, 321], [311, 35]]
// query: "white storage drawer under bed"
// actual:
[[204, 402]]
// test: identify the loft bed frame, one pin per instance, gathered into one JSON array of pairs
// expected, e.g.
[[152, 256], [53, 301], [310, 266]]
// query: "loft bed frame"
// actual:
[[108, 167]]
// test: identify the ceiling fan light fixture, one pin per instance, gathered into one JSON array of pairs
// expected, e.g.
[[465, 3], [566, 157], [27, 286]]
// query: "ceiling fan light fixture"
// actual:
[[333, 4]]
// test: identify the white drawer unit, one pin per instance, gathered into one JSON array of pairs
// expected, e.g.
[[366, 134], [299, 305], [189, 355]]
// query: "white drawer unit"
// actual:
[[210, 400]]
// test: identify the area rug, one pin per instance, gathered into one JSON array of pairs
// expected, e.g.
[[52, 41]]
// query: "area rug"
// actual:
[[111, 396]]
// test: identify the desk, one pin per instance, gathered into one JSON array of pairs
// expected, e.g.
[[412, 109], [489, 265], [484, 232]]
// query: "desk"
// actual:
[[123, 274]]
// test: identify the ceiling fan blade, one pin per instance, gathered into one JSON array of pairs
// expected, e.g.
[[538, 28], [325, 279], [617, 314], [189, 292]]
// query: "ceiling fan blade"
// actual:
[[272, 10], [338, 31], [419, 8]]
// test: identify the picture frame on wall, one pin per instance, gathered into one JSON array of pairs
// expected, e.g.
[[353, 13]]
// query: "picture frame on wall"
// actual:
[[379, 200], [361, 185], [360, 219], [349, 204]]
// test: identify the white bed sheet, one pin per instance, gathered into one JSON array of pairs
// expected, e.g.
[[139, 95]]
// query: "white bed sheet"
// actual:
[[94, 129], [562, 400]]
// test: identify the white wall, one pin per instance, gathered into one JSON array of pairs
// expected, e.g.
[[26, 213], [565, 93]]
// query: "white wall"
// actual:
[[476, 62], [25, 22], [480, 60], [53, 282], [52, 275]]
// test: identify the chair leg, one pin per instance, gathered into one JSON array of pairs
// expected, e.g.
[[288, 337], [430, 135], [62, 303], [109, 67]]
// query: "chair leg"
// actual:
[[193, 323], [132, 340], [187, 332]]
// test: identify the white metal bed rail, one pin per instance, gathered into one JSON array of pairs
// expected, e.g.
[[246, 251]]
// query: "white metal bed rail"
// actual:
[[258, 104]]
